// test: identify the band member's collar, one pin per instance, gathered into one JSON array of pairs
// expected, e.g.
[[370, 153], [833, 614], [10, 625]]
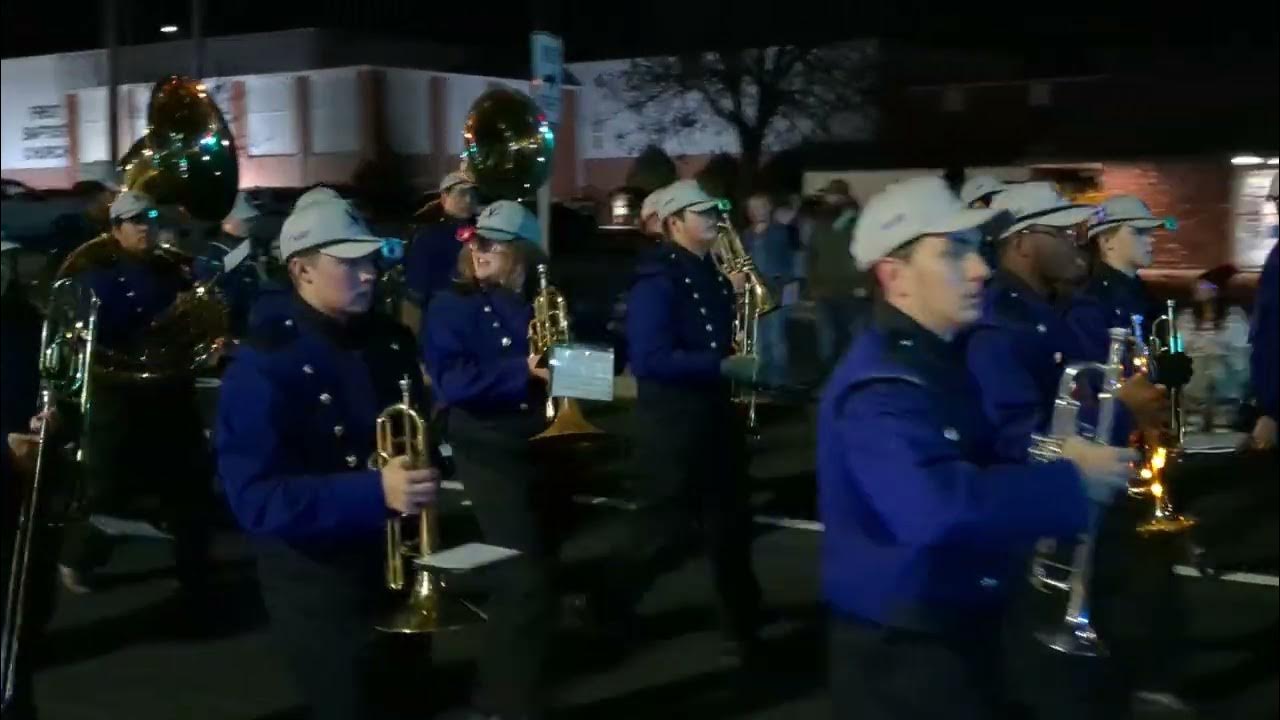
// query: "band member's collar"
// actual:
[[351, 334], [904, 332]]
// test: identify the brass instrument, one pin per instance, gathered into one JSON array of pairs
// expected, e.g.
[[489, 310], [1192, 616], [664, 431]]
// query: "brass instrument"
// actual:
[[1163, 517], [67, 346], [1075, 634], [402, 431], [550, 327], [508, 145], [754, 301], [187, 158]]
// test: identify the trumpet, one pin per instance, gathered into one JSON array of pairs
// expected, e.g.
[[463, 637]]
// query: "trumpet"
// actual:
[[754, 301], [401, 431], [1075, 634], [1163, 518], [550, 327], [67, 341]]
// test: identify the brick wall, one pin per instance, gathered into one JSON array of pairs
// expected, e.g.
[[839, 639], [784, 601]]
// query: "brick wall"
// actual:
[[1195, 191]]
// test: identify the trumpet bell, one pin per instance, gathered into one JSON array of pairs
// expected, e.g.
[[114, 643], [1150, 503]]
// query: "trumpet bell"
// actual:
[[569, 425], [1077, 638], [429, 610]]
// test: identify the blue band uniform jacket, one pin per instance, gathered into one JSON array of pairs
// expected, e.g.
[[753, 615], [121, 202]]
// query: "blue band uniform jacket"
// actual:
[[132, 291], [927, 522], [1110, 300], [295, 434], [680, 313], [1017, 352], [1264, 359], [476, 349]]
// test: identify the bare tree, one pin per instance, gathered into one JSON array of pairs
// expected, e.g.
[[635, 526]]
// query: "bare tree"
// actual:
[[779, 96]]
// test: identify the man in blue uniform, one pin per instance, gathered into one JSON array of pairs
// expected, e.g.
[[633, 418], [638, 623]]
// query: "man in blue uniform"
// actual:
[[1019, 347], [1265, 357], [1120, 238], [19, 387], [157, 419], [433, 252], [294, 440], [690, 438], [928, 523]]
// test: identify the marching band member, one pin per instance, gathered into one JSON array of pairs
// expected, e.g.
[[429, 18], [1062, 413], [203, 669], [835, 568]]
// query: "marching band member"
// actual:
[[690, 436], [1120, 235], [158, 419], [1018, 349], [476, 347], [433, 252], [978, 191], [19, 391], [925, 518], [294, 438], [1265, 356]]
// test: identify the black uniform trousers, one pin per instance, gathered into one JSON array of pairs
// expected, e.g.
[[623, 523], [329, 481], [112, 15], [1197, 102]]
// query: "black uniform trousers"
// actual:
[[41, 591], [517, 508], [690, 450], [323, 608], [146, 442], [888, 673]]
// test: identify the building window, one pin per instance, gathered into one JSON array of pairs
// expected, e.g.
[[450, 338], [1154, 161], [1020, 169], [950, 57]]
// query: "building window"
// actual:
[[1254, 217], [1040, 94], [953, 99]]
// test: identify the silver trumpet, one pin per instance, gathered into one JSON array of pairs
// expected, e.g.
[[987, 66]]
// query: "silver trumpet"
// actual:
[[1074, 634]]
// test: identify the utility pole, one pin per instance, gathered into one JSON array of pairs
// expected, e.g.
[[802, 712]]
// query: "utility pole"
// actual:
[[197, 40], [110, 12]]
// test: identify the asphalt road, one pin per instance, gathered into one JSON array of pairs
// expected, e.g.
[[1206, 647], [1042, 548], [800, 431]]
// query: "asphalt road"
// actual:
[[122, 653]]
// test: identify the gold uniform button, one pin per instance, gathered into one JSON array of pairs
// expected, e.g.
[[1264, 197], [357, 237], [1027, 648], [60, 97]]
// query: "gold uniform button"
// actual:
[[338, 430], [1057, 358], [496, 323], [326, 398], [308, 370], [702, 310], [713, 343], [288, 323], [506, 342], [709, 328], [1041, 329], [395, 346], [488, 308], [951, 434], [696, 296], [524, 406], [351, 461]]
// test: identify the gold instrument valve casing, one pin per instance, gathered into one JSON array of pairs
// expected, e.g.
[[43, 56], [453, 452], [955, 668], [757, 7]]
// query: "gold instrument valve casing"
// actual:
[[402, 431], [550, 327]]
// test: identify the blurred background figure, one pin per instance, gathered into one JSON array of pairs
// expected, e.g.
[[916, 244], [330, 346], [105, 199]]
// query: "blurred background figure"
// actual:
[[832, 279], [771, 246], [433, 251], [1219, 349]]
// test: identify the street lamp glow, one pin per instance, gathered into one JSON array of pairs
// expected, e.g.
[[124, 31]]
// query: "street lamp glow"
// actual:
[[1246, 160], [168, 29]]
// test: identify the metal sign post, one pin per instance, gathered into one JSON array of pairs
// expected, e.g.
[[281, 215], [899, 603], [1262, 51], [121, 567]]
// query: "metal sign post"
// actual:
[[547, 65]]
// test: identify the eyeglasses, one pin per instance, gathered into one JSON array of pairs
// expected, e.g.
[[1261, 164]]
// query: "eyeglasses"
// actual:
[[1077, 235]]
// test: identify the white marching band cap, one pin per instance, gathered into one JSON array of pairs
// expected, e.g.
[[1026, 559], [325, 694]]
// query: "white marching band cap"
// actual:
[[316, 194], [507, 220], [1037, 203], [6, 245], [243, 209], [331, 226], [651, 201], [907, 210], [455, 179], [130, 204], [979, 187], [1124, 210], [1275, 187], [683, 195]]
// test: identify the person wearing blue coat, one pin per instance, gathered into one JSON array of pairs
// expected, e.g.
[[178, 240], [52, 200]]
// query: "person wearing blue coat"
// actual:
[[295, 444], [928, 523], [1264, 360], [494, 388], [690, 438], [432, 259]]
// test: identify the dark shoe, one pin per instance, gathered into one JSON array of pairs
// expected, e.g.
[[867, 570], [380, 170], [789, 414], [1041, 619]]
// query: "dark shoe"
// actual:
[[1162, 705], [75, 581]]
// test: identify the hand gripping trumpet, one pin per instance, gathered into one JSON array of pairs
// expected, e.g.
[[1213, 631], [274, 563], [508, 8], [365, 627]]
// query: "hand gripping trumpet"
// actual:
[[1158, 454], [1075, 634], [401, 430]]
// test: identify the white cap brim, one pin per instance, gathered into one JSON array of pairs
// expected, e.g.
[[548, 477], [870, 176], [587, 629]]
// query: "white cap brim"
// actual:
[[1140, 223], [6, 246], [352, 249], [1066, 217], [959, 221]]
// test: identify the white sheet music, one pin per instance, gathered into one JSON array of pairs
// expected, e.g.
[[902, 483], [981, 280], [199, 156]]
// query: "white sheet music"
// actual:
[[235, 256], [467, 557], [120, 527]]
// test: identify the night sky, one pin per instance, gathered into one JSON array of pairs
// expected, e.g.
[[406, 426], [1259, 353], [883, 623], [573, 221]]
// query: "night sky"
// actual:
[[1050, 38]]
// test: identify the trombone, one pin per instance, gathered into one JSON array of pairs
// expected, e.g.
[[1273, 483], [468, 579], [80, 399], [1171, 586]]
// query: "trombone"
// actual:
[[401, 430], [67, 340], [1075, 634], [548, 328]]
